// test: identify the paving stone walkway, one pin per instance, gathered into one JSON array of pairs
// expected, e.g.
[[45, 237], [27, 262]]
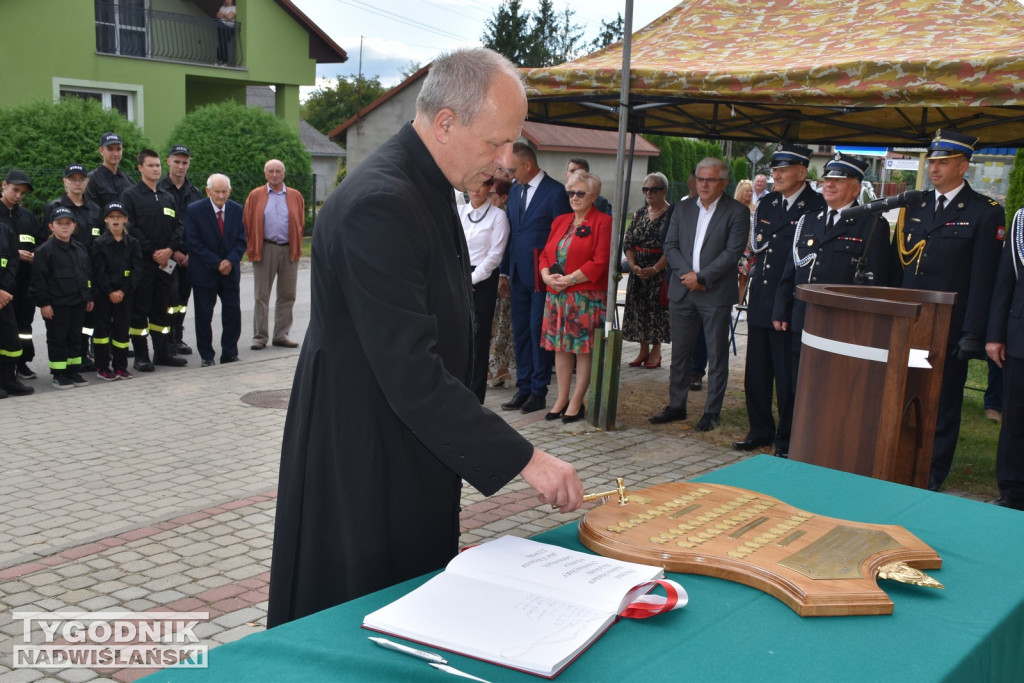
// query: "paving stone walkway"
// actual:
[[159, 493]]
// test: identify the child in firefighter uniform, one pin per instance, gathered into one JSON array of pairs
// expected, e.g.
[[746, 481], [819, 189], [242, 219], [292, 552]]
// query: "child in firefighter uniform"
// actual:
[[61, 288], [116, 269]]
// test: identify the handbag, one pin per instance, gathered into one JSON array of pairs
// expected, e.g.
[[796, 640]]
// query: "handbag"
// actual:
[[663, 294]]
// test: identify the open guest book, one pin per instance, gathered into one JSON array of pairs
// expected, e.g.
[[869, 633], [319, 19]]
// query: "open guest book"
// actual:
[[525, 605]]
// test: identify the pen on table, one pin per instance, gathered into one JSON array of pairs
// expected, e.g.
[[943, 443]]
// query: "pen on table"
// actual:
[[431, 657], [455, 672]]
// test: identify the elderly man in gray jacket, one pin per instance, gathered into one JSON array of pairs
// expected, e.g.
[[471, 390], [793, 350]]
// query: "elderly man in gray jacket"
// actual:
[[704, 241]]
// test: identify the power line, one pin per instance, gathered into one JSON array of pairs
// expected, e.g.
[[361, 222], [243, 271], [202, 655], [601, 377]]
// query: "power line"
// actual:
[[402, 20]]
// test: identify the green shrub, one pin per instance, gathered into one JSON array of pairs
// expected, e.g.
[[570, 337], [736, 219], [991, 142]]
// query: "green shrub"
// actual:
[[41, 138], [740, 169], [237, 141], [1015, 193]]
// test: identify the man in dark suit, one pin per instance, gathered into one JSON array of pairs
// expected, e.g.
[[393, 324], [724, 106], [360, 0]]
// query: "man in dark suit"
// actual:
[[1006, 348], [215, 238], [705, 238], [829, 247], [534, 201], [951, 242], [769, 351]]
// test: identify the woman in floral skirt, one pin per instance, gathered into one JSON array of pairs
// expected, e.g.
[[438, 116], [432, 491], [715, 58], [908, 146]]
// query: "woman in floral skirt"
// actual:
[[574, 266], [503, 353], [645, 320]]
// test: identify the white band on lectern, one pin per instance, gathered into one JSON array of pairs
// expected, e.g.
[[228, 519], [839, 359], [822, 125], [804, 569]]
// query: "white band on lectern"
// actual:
[[918, 357]]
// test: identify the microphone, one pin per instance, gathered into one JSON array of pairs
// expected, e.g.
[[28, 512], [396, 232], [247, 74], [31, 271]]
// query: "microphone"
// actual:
[[880, 205]]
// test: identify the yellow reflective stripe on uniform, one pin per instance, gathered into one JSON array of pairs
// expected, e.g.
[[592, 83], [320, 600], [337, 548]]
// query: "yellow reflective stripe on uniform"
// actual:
[[119, 344], [127, 273], [28, 239], [26, 337], [156, 329], [171, 310], [3, 263], [138, 331], [87, 331], [169, 212], [10, 354], [100, 341], [77, 360], [183, 309], [58, 365], [95, 232]]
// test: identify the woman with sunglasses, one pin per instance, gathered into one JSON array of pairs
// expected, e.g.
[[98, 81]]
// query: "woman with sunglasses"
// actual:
[[645, 320], [574, 266]]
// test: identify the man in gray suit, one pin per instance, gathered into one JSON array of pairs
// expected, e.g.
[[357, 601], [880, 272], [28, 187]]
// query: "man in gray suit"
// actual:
[[704, 241]]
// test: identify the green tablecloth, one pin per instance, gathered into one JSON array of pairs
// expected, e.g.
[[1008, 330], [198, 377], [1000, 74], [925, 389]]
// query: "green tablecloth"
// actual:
[[972, 631]]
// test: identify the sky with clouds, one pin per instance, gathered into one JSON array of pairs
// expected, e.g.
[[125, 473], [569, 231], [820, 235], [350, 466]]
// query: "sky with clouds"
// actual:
[[391, 34]]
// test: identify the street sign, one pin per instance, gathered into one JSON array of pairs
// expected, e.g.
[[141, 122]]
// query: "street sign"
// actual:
[[902, 164], [755, 155]]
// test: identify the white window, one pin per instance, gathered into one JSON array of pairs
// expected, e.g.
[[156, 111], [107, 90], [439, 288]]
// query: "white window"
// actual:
[[125, 98]]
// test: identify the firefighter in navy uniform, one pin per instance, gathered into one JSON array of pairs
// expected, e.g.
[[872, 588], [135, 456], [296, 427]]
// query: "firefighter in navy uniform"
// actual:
[[107, 181], [951, 242], [89, 226], [155, 224], [176, 182], [769, 351], [830, 249], [29, 234], [1005, 346], [10, 344]]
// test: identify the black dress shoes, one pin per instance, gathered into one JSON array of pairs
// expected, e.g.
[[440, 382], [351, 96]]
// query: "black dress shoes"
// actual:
[[517, 401], [533, 404], [708, 421], [669, 414], [208, 362], [566, 419], [696, 383], [228, 359], [1009, 502], [782, 453], [749, 444]]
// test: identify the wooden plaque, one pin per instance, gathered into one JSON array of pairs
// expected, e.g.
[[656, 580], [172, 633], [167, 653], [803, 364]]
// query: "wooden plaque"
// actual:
[[819, 566]]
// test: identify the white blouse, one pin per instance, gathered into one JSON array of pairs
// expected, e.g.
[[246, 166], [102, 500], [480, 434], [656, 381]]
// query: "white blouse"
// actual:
[[486, 231]]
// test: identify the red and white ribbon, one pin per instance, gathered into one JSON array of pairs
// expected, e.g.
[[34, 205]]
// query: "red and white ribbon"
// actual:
[[650, 605]]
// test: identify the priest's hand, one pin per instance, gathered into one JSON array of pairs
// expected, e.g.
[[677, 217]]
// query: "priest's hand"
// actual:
[[997, 352], [555, 480]]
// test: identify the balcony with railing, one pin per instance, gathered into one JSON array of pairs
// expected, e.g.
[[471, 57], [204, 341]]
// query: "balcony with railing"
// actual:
[[127, 28]]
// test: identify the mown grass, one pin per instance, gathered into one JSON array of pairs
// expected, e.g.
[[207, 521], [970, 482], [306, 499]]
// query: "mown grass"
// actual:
[[974, 465]]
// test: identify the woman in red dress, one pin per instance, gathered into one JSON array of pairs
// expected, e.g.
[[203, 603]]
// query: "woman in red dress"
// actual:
[[574, 266]]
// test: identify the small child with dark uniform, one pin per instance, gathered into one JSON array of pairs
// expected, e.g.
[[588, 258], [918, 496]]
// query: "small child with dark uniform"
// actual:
[[116, 269], [62, 290]]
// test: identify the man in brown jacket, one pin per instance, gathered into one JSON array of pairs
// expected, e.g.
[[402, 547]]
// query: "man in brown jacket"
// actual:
[[274, 218]]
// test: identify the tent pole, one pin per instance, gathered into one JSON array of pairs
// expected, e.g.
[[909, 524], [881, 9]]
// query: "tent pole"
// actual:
[[604, 392]]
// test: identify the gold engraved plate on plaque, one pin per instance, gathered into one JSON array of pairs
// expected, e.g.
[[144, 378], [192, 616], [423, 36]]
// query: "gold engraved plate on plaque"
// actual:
[[816, 565], [839, 553]]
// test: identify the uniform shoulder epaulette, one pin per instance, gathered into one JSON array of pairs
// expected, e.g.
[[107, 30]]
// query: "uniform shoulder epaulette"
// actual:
[[992, 201]]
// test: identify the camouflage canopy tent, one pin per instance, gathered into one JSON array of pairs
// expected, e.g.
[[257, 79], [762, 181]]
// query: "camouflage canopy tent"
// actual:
[[870, 72]]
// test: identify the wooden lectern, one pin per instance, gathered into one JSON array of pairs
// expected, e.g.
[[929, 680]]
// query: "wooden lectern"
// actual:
[[867, 391]]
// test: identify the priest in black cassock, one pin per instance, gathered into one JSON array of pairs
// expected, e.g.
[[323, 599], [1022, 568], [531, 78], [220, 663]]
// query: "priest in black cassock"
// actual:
[[381, 427]]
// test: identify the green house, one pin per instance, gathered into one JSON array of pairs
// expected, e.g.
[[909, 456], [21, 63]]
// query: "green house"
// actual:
[[156, 60]]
